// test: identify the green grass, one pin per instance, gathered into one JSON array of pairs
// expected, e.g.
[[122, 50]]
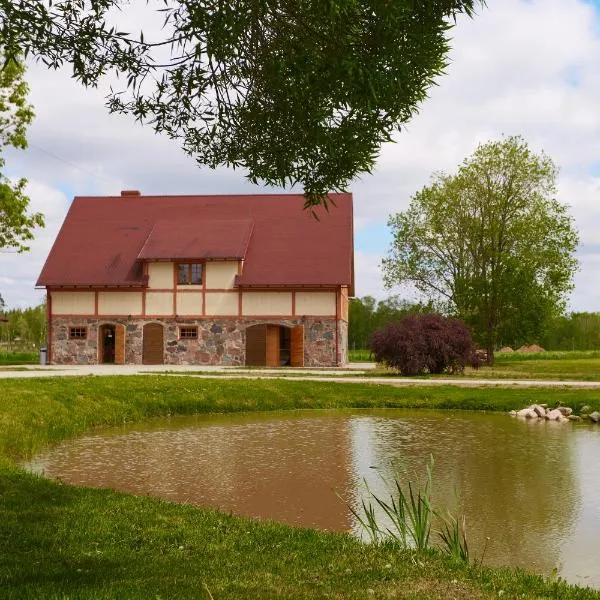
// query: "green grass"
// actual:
[[58, 541], [559, 365], [19, 358], [584, 366], [360, 356]]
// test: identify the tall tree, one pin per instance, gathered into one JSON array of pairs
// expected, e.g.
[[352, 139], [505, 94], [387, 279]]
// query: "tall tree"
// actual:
[[295, 91], [16, 224], [492, 241]]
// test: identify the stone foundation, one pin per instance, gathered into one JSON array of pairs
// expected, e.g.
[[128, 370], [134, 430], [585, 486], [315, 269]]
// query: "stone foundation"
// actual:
[[220, 341]]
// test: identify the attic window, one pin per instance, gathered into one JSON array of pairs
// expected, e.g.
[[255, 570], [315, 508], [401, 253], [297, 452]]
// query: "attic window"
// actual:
[[189, 274], [188, 333], [77, 333]]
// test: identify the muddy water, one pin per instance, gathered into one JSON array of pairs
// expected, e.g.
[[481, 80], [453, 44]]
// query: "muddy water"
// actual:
[[530, 491]]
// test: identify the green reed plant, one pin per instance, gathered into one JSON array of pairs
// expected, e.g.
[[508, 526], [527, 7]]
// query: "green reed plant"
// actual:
[[454, 536], [409, 515]]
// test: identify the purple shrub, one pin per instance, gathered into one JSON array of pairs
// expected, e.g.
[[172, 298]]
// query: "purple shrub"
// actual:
[[425, 343]]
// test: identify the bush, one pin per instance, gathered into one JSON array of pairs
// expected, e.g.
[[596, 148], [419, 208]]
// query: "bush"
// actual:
[[425, 343]]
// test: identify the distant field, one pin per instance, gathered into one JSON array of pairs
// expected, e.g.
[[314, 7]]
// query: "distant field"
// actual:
[[571, 365], [18, 358], [360, 356]]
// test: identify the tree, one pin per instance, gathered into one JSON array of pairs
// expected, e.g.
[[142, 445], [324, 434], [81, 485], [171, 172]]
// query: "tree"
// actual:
[[16, 224], [367, 314], [491, 241], [295, 91]]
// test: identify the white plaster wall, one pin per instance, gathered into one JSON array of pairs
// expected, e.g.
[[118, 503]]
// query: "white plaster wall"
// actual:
[[221, 274], [73, 303], [315, 303], [159, 303], [189, 304], [222, 303], [267, 303], [160, 275], [119, 303]]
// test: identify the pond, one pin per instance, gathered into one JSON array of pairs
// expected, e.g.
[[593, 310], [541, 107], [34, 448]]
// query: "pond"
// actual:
[[530, 491]]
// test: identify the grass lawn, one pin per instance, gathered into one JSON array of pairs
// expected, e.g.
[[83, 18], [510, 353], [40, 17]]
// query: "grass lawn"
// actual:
[[583, 366], [18, 358], [360, 356], [572, 365], [58, 541]]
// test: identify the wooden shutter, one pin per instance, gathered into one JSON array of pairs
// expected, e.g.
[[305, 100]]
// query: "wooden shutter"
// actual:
[[272, 346], [256, 345], [152, 347], [119, 344], [297, 347]]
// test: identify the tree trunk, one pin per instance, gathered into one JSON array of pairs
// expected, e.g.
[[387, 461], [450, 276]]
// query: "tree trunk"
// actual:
[[490, 345]]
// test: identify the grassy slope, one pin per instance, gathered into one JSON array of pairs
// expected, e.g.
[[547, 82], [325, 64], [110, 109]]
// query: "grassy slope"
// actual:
[[57, 541]]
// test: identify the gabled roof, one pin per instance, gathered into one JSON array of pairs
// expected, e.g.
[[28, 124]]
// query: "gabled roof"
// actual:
[[210, 238], [104, 240]]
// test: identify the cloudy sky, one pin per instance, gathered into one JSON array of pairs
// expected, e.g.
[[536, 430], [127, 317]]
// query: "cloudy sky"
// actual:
[[528, 67]]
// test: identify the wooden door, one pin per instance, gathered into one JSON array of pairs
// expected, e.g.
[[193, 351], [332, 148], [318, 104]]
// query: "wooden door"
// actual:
[[272, 351], [256, 345], [119, 344], [297, 347], [152, 347]]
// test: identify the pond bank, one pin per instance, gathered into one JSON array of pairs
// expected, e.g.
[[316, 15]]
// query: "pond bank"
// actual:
[[63, 541]]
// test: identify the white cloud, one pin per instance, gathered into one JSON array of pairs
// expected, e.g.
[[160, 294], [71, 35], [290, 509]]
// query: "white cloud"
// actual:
[[529, 67]]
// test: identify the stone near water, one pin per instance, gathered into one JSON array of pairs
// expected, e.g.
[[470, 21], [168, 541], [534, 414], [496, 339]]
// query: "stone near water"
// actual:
[[574, 418], [527, 413], [565, 410], [513, 413], [585, 409], [539, 410], [554, 415], [595, 417]]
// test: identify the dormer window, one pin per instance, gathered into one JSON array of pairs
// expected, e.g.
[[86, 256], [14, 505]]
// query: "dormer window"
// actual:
[[189, 274]]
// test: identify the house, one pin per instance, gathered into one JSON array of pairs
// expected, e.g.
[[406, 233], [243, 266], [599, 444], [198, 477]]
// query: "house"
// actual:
[[215, 280]]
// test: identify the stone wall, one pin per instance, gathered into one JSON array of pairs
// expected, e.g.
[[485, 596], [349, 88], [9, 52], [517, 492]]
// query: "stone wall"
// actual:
[[220, 341]]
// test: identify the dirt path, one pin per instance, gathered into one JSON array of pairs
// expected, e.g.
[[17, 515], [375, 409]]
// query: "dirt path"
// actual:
[[355, 373]]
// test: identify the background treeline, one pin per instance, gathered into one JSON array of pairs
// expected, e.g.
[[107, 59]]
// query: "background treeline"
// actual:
[[574, 331], [25, 331]]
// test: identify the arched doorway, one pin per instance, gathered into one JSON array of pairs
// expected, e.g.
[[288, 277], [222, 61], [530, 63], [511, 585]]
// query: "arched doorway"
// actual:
[[111, 344], [153, 345], [274, 346]]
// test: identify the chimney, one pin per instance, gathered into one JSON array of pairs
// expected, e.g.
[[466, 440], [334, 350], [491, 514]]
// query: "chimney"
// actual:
[[130, 193]]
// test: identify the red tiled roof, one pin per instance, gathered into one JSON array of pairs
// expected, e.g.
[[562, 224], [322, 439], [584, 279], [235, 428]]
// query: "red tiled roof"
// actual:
[[103, 239], [217, 239]]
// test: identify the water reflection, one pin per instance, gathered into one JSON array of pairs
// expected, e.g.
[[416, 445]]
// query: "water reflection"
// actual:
[[533, 489]]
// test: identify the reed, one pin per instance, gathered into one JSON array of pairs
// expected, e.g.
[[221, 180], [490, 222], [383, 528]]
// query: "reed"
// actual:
[[408, 514]]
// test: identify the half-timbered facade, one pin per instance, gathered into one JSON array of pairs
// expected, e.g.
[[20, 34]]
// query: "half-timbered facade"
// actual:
[[233, 280]]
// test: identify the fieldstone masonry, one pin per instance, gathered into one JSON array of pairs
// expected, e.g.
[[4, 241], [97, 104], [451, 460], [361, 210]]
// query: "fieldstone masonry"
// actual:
[[220, 341]]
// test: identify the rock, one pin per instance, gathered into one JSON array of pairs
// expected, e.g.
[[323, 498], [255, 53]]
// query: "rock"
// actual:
[[506, 350], [574, 418], [539, 410], [527, 413], [554, 415], [565, 410], [513, 413], [595, 417], [585, 409]]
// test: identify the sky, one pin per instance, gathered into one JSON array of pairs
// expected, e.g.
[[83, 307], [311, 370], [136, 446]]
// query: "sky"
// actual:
[[520, 67]]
